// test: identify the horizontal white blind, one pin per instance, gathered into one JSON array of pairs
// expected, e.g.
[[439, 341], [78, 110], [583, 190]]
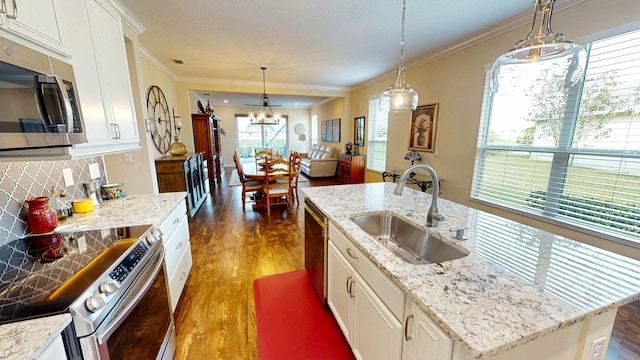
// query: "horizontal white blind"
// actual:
[[377, 137], [569, 155]]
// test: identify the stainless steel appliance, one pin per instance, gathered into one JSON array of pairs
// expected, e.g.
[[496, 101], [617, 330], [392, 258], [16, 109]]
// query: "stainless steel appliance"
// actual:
[[316, 238], [39, 110], [111, 281]]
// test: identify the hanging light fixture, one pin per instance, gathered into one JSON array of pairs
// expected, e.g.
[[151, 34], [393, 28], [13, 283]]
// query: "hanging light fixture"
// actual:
[[265, 114], [542, 46], [400, 96]]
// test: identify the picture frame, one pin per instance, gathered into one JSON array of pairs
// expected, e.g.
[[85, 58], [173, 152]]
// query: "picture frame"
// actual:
[[335, 125], [323, 130], [424, 120], [358, 131]]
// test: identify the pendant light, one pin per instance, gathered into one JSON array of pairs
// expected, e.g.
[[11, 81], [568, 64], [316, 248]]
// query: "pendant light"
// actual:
[[265, 114], [541, 46], [400, 96]]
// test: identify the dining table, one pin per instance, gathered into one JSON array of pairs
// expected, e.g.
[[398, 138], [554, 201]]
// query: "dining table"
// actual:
[[258, 173]]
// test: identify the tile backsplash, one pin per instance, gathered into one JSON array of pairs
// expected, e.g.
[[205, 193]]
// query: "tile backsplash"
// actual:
[[21, 180]]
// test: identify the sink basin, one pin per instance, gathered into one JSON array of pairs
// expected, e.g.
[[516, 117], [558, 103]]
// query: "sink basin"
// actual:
[[407, 241]]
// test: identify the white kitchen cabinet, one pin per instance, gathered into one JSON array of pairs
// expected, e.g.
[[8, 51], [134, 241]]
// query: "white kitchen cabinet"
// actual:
[[370, 327], [54, 351], [36, 21], [96, 41], [177, 260], [423, 339]]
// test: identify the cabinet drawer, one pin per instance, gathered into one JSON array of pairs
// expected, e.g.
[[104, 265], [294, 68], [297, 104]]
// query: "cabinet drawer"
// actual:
[[170, 223], [178, 279], [346, 247], [390, 294], [176, 244]]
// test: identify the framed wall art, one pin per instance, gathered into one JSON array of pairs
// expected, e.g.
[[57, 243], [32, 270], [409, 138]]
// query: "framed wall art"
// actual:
[[323, 131], [336, 129], [423, 128], [358, 131]]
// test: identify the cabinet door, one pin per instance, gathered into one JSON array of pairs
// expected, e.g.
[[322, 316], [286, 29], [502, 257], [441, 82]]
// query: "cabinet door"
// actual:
[[112, 61], [340, 289], [377, 333], [36, 21], [424, 339]]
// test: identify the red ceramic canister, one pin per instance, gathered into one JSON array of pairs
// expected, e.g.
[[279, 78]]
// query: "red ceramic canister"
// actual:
[[41, 218]]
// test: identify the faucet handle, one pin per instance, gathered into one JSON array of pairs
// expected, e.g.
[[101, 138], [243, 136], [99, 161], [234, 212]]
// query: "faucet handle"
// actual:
[[459, 233]]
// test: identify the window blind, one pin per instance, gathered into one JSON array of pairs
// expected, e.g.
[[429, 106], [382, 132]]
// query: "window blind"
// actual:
[[377, 130], [570, 155]]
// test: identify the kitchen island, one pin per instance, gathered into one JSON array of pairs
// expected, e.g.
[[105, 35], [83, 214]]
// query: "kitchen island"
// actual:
[[518, 286]]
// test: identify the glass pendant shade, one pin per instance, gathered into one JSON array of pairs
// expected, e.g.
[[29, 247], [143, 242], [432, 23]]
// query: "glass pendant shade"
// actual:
[[543, 46], [399, 97]]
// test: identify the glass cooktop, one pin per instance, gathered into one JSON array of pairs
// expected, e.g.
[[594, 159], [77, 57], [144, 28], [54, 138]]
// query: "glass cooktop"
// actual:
[[43, 274]]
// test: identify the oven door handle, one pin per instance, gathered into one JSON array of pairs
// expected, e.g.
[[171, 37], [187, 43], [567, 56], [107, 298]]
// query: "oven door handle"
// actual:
[[103, 336]]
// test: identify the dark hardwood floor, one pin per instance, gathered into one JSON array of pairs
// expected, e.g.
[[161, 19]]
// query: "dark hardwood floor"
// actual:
[[215, 318]]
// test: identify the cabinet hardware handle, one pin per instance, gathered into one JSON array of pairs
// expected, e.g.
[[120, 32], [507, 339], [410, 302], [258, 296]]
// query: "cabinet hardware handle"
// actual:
[[406, 328], [2, 6], [351, 288], [183, 276], [347, 284], [176, 220], [179, 245], [350, 254], [15, 10]]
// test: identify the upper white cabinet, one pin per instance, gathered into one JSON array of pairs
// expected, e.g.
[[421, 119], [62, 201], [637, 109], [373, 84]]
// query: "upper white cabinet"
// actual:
[[96, 41], [37, 21]]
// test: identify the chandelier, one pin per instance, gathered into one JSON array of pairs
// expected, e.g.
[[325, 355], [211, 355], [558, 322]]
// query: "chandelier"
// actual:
[[265, 114], [541, 46], [400, 96]]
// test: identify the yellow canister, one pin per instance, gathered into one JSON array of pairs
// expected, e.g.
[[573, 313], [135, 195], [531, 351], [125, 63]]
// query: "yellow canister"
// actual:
[[82, 205]]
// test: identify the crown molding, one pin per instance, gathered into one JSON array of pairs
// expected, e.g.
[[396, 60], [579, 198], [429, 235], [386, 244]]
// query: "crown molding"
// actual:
[[212, 81], [155, 62]]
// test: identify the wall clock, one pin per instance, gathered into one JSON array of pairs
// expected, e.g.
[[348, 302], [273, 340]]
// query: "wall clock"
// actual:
[[159, 119], [299, 128]]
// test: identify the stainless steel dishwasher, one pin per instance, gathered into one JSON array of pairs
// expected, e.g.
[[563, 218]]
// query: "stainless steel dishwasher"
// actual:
[[316, 234]]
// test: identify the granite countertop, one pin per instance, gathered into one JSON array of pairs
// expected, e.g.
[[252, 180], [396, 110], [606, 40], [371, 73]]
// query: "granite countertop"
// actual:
[[517, 284], [27, 339]]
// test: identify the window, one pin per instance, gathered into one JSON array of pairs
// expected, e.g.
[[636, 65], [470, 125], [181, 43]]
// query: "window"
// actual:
[[568, 155], [254, 136], [377, 137], [314, 129]]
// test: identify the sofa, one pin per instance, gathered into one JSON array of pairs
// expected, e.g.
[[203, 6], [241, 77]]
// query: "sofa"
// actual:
[[322, 161]]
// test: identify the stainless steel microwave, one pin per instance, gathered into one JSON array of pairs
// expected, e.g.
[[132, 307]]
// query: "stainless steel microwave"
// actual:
[[39, 109]]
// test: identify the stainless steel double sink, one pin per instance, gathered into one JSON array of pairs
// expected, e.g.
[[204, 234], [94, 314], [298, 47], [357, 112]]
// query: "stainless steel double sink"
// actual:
[[407, 241]]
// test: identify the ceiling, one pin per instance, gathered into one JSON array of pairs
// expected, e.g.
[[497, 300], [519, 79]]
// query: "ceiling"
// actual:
[[329, 45]]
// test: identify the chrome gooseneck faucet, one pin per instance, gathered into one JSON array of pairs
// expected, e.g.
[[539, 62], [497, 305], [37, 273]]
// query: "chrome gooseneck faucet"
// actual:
[[433, 216]]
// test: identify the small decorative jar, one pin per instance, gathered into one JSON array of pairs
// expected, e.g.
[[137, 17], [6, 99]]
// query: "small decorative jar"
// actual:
[[41, 218]]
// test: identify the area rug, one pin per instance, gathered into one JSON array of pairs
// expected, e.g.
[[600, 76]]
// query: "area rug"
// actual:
[[292, 323], [234, 180]]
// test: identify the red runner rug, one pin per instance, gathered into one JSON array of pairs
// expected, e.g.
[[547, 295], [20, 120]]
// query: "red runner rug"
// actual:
[[292, 323]]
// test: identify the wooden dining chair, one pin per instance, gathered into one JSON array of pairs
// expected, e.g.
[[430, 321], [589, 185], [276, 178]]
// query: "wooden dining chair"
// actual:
[[251, 187], [277, 185], [261, 156], [295, 161]]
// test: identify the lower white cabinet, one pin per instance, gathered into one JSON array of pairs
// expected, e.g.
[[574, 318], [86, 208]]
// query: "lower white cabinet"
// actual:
[[177, 258], [370, 327], [422, 338], [54, 351]]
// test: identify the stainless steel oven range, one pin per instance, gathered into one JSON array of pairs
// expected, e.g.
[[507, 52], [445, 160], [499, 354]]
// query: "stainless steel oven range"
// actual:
[[112, 282]]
